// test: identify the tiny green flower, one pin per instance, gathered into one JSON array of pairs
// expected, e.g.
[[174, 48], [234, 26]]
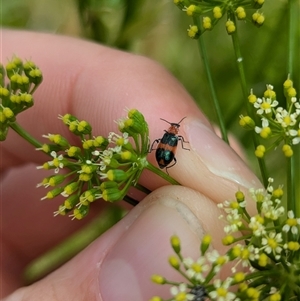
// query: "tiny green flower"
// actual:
[[158, 279], [175, 243], [174, 262]]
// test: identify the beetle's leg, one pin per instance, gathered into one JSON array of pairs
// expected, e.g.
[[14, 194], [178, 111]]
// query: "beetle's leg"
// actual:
[[155, 141], [182, 140], [175, 161]]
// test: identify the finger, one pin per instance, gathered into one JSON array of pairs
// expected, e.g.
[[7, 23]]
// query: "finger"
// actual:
[[120, 263], [210, 165], [94, 83]]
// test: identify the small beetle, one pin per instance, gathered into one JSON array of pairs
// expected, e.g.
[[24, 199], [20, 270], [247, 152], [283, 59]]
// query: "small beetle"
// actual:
[[165, 152]]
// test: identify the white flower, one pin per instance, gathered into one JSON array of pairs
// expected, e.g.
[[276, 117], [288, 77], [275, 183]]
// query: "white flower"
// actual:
[[264, 124], [284, 118], [272, 244], [57, 161], [265, 105], [291, 223], [195, 269], [221, 292], [179, 292], [257, 226]]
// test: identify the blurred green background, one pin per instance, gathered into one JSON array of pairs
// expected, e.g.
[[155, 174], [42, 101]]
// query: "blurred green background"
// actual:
[[158, 29]]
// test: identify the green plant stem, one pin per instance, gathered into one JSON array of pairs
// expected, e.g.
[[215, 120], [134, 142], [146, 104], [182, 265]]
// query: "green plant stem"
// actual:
[[293, 170], [72, 245], [24, 134], [162, 174], [204, 57], [245, 91]]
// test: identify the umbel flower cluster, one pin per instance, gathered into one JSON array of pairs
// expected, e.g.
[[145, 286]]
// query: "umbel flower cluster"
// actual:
[[264, 255], [211, 11], [99, 168], [280, 124], [16, 95]]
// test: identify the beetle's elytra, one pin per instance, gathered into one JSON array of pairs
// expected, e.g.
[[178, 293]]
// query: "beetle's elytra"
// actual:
[[167, 145]]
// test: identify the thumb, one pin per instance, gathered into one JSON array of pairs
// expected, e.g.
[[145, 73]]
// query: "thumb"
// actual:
[[119, 264]]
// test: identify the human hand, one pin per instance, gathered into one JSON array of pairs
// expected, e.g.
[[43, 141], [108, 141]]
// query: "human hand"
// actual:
[[96, 83]]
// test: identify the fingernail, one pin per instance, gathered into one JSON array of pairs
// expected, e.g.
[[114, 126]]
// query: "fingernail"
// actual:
[[144, 249], [215, 154]]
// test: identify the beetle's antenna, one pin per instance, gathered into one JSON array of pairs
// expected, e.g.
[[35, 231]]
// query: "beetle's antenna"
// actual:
[[166, 121], [172, 123], [181, 119]]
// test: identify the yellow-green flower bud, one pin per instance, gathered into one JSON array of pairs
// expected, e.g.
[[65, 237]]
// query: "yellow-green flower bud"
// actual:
[[88, 196], [71, 188], [112, 194], [205, 243], [287, 150], [275, 297], [87, 144], [71, 201], [258, 18], [100, 141], [74, 151], [29, 65], [2, 117], [53, 193], [293, 245], [108, 184], [15, 98], [240, 197], [265, 132], [84, 127], [193, 32], [288, 84], [291, 92], [67, 118], [175, 243], [241, 13], [228, 240], [117, 175], [4, 93], [128, 156], [192, 10], [35, 75], [132, 126], [258, 3], [158, 279], [230, 26], [173, 261], [269, 93], [253, 293], [217, 12], [80, 213], [206, 23], [55, 180], [260, 151], [85, 177], [8, 113], [252, 98], [136, 115], [263, 260], [239, 277], [19, 82], [60, 140], [277, 193], [62, 210], [73, 127], [89, 168], [247, 122], [27, 98]]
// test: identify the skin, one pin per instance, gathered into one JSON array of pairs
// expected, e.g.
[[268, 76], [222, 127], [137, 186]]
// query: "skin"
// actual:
[[96, 83]]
